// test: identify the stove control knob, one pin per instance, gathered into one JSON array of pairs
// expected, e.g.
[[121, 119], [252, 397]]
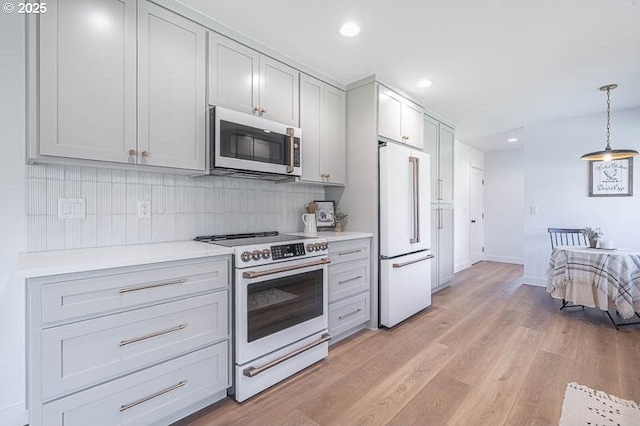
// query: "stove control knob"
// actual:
[[309, 247], [245, 256], [324, 246], [266, 253], [256, 254]]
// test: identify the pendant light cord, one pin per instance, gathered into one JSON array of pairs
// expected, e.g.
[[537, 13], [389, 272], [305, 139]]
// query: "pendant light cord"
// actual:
[[608, 117]]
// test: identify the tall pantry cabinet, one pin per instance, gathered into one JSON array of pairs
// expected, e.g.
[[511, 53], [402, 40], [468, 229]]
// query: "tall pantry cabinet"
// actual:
[[438, 138]]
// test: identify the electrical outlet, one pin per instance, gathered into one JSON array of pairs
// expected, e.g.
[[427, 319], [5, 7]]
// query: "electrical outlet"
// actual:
[[144, 209], [72, 208]]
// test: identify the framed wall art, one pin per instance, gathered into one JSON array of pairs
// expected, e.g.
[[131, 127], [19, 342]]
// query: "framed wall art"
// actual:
[[325, 214], [611, 178]]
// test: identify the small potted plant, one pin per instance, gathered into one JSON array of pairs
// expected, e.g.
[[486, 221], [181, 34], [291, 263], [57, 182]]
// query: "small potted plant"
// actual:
[[341, 220], [593, 234]]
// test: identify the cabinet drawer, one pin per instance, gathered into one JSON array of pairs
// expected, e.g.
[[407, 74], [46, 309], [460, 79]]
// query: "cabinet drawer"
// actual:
[[345, 251], [348, 313], [147, 396], [92, 351], [347, 279], [93, 293]]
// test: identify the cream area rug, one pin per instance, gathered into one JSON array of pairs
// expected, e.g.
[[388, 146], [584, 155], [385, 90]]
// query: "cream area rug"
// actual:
[[585, 406]]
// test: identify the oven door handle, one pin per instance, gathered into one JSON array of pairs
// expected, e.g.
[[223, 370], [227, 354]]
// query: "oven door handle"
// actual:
[[254, 371], [250, 274]]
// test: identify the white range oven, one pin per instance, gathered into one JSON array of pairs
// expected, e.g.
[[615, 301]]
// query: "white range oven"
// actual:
[[280, 295]]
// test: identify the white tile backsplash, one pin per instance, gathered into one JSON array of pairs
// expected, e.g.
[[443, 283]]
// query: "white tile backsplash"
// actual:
[[181, 207]]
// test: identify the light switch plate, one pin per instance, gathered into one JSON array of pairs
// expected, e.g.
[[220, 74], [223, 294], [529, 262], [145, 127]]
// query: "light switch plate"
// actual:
[[72, 208], [144, 209]]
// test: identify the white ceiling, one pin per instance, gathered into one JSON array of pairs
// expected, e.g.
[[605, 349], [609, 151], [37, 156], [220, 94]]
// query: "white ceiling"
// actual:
[[496, 65]]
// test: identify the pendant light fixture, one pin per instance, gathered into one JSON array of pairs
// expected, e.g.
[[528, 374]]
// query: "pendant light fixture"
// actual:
[[609, 154]]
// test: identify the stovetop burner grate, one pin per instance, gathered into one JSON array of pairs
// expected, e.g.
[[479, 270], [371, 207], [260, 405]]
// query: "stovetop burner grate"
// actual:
[[225, 237]]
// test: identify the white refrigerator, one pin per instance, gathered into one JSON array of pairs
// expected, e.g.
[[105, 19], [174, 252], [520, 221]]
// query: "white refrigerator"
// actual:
[[405, 233]]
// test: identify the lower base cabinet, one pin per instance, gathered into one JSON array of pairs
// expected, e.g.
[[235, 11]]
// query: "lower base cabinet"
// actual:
[[349, 287], [153, 348]]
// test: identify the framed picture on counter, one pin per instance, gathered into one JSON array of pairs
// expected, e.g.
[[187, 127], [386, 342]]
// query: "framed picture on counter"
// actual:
[[611, 178], [325, 215]]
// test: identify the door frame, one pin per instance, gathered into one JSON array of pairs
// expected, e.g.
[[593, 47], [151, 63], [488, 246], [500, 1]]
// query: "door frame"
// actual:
[[472, 171]]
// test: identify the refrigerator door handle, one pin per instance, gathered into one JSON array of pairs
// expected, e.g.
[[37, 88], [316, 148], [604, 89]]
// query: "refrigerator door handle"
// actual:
[[415, 162], [400, 265]]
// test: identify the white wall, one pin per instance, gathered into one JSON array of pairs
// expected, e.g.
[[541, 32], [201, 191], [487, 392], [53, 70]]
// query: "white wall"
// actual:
[[12, 172], [464, 157], [556, 182], [504, 206]]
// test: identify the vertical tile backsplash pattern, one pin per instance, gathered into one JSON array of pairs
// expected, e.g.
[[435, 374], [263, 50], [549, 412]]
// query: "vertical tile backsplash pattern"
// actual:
[[181, 207]]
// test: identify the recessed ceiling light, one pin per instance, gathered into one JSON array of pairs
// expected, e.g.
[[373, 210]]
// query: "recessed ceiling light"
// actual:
[[512, 140], [350, 29], [424, 83]]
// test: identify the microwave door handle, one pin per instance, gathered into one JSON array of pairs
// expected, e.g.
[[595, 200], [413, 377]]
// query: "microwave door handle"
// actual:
[[291, 148]]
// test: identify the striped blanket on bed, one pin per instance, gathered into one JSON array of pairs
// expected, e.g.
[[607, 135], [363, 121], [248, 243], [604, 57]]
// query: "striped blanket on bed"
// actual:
[[592, 277]]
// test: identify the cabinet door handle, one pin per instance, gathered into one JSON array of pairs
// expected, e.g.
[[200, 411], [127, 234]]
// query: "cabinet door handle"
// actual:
[[263, 110], [342, 253], [152, 396], [152, 335], [144, 153], [350, 279], [350, 314], [256, 108], [132, 152], [146, 287], [440, 221]]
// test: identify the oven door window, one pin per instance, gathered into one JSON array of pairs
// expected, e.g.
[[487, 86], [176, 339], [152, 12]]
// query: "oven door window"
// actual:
[[248, 143], [281, 303]]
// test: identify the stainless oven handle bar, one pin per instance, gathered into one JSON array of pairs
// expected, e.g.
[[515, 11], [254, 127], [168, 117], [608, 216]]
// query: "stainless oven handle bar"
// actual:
[[155, 395], [350, 279], [291, 149], [400, 265], [152, 335], [254, 371], [146, 287], [251, 275], [415, 162]]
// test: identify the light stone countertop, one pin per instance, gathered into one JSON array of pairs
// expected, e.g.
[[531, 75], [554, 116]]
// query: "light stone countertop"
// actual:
[[32, 265], [337, 236]]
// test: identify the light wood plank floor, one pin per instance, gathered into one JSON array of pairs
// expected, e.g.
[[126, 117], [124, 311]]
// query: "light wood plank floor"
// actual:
[[489, 351]]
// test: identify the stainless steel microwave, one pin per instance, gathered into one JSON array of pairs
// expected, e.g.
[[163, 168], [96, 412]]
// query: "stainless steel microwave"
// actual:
[[244, 145]]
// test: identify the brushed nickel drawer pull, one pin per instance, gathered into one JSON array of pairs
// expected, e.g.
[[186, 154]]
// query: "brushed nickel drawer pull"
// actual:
[[283, 269], [350, 279], [146, 287], [342, 253], [400, 265], [254, 371], [149, 336], [150, 397], [350, 314]]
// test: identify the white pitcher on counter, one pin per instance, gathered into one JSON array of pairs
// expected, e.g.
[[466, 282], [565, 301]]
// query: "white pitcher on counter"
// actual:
[[310, 227]]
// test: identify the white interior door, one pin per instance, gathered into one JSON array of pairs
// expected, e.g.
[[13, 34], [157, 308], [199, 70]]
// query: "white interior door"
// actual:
[[476, 216]]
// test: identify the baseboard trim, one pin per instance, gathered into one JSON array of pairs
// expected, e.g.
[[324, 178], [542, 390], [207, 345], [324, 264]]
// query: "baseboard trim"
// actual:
[[461, 266], [535, 281], [503, 259], [14, 416]]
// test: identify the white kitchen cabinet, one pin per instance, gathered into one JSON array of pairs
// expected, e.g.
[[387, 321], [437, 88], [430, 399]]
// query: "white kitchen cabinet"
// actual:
[[323, 123], [122, 81], [399, 119], [87, 79], [349, 287], [441, 245], [438, 140], [245, 80], [171, 89], [100, 340]]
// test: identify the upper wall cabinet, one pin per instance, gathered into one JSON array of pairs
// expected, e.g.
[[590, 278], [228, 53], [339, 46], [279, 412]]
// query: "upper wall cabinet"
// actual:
[[120, 86], [438, 139], [323, 123], [245, 80], [87, 87], [171, 89], [399, 119]]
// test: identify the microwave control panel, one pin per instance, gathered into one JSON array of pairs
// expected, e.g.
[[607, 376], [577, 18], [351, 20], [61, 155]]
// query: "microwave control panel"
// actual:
[[286, 251]]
